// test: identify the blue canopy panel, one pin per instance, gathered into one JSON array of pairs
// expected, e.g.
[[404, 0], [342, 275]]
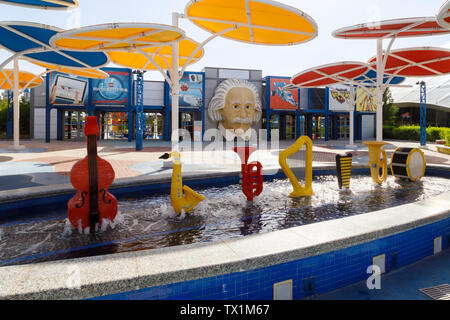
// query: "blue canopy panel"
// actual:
[[90, 59], [42, 3], [41, 34], [17, 43], [371, 78]]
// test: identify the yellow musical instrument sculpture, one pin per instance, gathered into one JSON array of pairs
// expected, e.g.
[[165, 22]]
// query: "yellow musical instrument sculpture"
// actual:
[[299, 190], [183, 198], [408, 163], [344, 170], [376, 162]]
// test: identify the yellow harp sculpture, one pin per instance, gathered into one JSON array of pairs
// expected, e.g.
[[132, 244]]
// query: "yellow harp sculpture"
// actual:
[[299, 190]]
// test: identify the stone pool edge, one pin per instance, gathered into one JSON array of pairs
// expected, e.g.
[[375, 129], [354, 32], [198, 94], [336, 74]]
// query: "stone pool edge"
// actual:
[[111, 274]]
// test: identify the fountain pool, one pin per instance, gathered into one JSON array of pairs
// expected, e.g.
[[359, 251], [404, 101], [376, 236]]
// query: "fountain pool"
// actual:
[[149, 222]]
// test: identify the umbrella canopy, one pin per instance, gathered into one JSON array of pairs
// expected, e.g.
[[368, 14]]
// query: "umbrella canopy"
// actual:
[[161, 55], [411, 27], [417, 62], [444, 15], [261, 22], [31, 40], [117, 36], [26, 79], [330, 74], [43, 4], [79, 72], [370, 79]]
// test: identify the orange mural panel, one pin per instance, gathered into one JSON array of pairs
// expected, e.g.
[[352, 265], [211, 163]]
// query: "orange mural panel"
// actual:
[[282, 99]]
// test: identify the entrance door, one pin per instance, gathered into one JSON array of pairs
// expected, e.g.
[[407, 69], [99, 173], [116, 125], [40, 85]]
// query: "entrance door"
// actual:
[[187, 122], [290, 125], [74, 125], [318, 128], [154, 126], [275, 126], [368, 126], [344, 127], [114, 125], [303, 126]]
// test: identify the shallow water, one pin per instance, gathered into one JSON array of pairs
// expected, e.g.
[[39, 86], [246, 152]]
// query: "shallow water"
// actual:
[[151, 223]]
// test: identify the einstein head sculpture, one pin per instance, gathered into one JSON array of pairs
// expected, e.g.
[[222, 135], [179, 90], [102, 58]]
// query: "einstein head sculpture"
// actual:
[[236, 106]]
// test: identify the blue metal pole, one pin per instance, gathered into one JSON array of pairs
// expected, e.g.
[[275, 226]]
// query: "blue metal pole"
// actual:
[[423, 113], [140, 118]]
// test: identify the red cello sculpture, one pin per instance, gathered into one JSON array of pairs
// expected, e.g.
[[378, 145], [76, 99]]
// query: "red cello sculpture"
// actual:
[[92, 177], [252, 176]]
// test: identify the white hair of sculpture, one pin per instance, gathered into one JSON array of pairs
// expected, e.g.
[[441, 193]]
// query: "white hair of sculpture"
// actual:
[[218, 101]]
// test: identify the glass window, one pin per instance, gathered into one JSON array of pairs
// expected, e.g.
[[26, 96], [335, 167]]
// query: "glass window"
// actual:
[[291, 126]]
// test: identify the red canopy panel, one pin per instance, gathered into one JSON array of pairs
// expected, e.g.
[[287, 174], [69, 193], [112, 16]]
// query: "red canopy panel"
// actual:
[[329, 74], [416, 62], [444, 15], [411, 27]]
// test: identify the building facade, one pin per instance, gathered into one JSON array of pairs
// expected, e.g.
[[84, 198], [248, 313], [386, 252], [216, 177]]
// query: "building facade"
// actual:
[[59, 108]]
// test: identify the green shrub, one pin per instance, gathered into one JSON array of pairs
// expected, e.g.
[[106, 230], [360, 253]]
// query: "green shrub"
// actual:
[[434, 134], [447, 137], [412, 133]]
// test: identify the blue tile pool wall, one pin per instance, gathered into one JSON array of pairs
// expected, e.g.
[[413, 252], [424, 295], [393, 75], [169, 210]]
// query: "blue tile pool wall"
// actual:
[[325, 272]]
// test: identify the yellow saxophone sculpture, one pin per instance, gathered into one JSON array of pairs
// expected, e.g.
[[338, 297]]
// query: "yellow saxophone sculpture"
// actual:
[[376, 162], [183, 198]]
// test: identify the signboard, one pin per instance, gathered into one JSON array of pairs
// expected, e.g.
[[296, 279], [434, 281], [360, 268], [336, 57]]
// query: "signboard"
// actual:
[[113, 90], [366, 102], [340, 97], [68, 90], [191, 90], [279, 98]]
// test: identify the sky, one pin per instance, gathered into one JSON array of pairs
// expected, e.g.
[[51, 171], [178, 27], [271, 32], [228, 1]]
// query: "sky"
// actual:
[[273, 61]]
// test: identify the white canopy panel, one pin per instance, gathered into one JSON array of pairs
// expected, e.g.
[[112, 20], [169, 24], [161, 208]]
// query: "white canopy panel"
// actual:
[[438, 91]]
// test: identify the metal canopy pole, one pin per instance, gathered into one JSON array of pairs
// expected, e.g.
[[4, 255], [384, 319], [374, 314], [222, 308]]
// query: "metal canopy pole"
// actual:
[[380, 73], [9, 116], [16, 107], [352, 117], [423, 113], [175, 88]]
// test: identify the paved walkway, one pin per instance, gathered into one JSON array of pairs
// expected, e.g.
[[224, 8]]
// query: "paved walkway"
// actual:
[[402, 284], [47, 164]]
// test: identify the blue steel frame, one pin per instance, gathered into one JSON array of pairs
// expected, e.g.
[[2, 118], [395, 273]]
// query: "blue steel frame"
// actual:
[[423, 113], [140, 118], [9, 115]]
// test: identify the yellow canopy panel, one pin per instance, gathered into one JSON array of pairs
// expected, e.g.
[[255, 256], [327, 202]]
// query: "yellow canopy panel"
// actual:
[[116, 36], [26, 79], [142, 59], [262, 22], [87, 73]]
